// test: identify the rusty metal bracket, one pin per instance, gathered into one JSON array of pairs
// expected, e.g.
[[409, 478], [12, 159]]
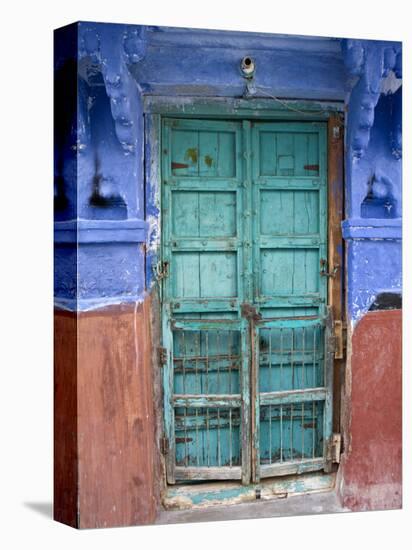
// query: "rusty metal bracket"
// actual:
[[161, 270], [324, 269], [250, 312], [179, 165]]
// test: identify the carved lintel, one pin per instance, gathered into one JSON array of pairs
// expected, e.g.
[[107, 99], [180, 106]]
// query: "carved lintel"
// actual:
[[374, 68], [110, 50]]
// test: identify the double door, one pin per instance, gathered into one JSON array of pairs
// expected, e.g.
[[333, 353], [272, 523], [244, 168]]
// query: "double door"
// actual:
[[247, 364]]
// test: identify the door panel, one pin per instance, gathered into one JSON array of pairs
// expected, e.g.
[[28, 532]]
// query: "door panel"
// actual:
[[208, 408], [208, 151], [204, 274], [290, 228], [288, 149], [204, 214], [247, 382], [290, 432], [206, 376], [290, 221], [290, 358], [277, 212], [293, 394], [207, 362], [289, 271]]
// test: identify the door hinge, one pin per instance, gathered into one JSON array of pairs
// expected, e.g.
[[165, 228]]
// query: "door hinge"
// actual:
[[164, 445], [163, 356], [333, 451], [335, 448], [162, 270], [340, 339]]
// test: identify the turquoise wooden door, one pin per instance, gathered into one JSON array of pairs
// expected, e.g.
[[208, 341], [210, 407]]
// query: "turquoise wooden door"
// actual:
[[247, 374]]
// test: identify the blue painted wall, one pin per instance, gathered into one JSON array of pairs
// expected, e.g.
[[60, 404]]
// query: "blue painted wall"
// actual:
[[103, 208], [373, 227]]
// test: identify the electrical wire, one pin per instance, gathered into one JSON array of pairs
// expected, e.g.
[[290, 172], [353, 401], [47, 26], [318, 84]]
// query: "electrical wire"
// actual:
[[287, 105]]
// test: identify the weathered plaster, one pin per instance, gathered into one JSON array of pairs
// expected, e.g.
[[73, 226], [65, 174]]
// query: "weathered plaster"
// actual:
[[370, 474], [373, 228], [101, 161], [107, 158], [100, 147]]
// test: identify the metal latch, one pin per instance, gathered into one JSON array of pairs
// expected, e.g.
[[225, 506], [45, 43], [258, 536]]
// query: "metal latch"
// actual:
[[340, 333], [250, 312], [162, 270], [324, 269]]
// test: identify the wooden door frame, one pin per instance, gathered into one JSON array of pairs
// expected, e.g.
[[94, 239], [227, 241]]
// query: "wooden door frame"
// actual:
[[336, 257], [157, 107]]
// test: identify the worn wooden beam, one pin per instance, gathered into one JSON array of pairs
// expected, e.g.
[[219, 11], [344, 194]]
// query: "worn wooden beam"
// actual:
[[256, 108], [210, 400], [292, 467], [213, 472], [292, 396], [335, 244], [291, 322], [209, 494], [206, 324]]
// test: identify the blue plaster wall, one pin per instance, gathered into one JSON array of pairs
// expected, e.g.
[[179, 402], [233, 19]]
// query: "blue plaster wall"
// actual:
[[65, 161], [103, 252], [373, 226], [100, 232]]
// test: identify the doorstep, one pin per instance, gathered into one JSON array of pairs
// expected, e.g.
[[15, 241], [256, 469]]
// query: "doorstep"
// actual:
[[286, 496]]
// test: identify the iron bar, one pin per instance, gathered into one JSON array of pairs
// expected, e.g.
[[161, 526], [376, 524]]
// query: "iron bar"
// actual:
[[314, 358], [291, 432], [292, 358], [199, 382], [313, 429], [281, 433], [230, 336], [303, 432], [230, 438], [183, 346], [303, 357], [281, 359], [271, 387]]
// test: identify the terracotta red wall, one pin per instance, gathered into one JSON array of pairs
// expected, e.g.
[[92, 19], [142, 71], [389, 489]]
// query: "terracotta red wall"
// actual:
[[65, 418], [104, 391], [371, 470], [106, 471]]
